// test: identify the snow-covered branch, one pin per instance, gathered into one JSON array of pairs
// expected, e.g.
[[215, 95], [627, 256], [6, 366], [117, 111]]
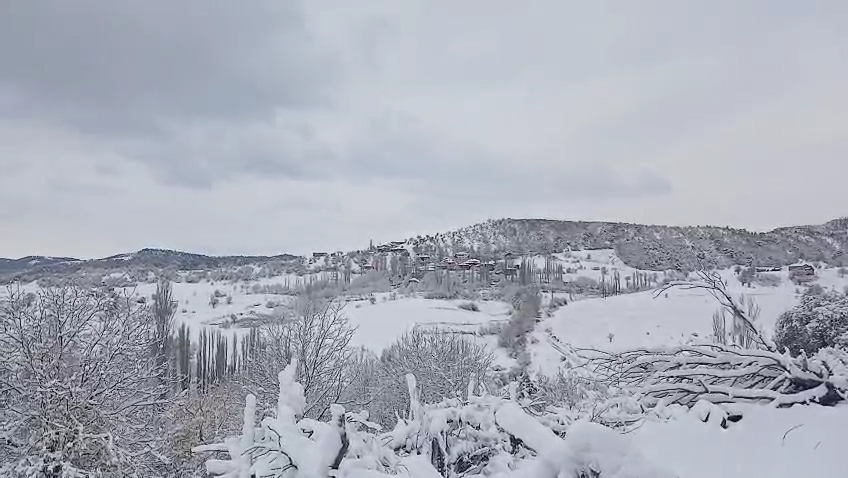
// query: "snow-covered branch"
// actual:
[[721, 374], [712, 282]]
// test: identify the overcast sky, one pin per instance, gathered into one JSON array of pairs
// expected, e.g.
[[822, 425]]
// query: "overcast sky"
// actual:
[[290, 126]]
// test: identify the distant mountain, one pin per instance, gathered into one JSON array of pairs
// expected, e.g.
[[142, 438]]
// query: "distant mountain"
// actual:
[[34, 267], [647, 247], [15, 265], [650, 247], [163, 258]]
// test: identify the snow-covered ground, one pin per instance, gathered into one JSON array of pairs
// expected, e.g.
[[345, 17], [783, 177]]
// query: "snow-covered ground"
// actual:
[[380, 324], [800, 441], [767, 442]]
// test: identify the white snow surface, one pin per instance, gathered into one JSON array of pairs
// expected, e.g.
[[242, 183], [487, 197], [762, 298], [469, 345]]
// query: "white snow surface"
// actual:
[[380, 324], [807, 441]]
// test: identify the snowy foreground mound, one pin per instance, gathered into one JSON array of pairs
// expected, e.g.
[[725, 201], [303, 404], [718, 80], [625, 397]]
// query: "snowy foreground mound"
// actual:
[[493, 436]]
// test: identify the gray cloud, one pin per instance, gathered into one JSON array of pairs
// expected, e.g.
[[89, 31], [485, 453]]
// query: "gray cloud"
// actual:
[[128, 71], [369, 119], [203, 94]]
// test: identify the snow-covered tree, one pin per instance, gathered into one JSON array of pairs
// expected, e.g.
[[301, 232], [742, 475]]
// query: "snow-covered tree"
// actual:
[[820, 320], [318, 333], [80, 390], [163, 309]]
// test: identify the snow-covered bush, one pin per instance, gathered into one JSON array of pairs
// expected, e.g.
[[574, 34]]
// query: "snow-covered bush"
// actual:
[[526, 303], [767, 280], [820, 320], [285, 445], [480, 435], [581, 285], [443, 362], [370, 283], [557, 302], [196, 418], [747, 275], [570, 389], [462, 436], [517, 295], [443, 285], [469, 306]]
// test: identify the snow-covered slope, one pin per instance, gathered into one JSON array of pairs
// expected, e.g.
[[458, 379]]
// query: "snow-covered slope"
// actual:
[[651, 246]]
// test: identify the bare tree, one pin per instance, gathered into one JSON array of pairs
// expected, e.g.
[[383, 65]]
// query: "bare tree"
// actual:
[[318, 335]]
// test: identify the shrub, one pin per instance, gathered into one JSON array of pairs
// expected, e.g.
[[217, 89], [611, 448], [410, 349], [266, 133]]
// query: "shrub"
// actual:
[[446, 286], [444, 364], [557, 302], [513, 336], [370, 283], [820, 320], [747, 275], [517, 294], [569, 389], [469, 306], [582, 285], [767, 280]]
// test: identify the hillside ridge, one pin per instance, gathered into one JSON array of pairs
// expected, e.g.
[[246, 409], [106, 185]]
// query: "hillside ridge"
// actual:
[[647, 247]]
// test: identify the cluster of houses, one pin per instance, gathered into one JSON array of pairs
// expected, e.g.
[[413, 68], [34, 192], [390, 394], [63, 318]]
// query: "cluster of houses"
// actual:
[[420, 264], [394, 246], [798, 273], [462, 261]]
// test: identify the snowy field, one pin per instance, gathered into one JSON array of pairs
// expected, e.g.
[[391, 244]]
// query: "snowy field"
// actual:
[[380, 324], [615, 323]]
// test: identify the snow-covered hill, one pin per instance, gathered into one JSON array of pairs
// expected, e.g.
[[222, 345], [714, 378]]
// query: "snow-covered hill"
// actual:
[[650, 247], [646, 247]]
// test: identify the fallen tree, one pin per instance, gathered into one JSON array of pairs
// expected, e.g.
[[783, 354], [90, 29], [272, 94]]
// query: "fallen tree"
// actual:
[[743, 312], [725, 374]]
